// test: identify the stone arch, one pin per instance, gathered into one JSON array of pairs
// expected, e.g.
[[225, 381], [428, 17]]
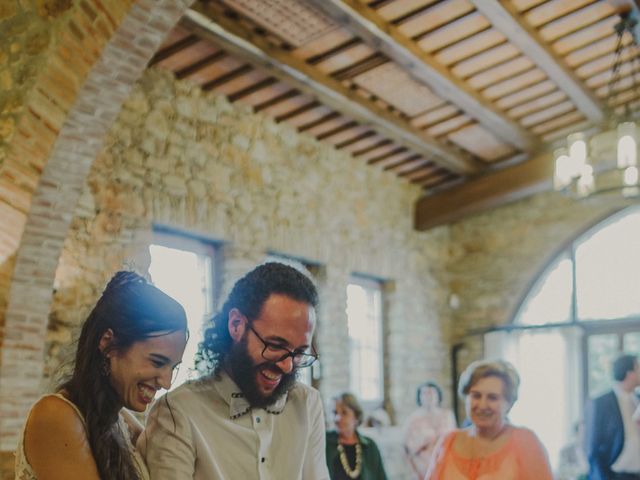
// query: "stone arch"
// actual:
[[76, 98]]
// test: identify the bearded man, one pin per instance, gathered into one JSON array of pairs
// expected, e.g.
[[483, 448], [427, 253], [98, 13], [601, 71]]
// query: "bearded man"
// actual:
[[247, 417]]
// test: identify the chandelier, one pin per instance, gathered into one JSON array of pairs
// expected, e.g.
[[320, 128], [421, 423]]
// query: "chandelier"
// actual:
[[607, 162]]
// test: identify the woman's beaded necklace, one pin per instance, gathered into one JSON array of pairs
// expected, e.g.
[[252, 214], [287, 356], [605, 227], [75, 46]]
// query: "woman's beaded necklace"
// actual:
[[344, 461]]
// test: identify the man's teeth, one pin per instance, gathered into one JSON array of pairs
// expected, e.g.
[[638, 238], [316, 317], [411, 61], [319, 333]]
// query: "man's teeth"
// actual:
[[270, 375], [147, 392]]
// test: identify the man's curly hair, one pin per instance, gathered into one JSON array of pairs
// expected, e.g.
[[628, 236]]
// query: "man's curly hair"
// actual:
[[248, 295]]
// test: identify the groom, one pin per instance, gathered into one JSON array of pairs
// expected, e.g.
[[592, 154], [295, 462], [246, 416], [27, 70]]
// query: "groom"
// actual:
[[248, 418], [613, 437]]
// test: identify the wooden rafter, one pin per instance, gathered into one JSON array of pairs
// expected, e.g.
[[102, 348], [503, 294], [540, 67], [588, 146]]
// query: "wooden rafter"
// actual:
[[374, 30], [484, 192], [255, 50], [182, 44], [506, 19], [200, 64]]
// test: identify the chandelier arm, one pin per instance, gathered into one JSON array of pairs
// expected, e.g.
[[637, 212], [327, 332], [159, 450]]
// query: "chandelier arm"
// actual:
[[615, 70]]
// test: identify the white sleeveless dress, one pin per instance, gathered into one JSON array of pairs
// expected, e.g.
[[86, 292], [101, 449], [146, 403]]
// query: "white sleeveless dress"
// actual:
[[25, 472]]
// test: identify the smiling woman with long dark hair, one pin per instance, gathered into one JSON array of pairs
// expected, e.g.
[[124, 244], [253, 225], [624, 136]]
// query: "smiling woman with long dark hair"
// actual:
[[128, 348]]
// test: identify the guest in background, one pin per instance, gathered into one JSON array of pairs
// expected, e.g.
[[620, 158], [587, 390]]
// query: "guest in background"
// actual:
[[613, 438], [425, 426], [128, 348], [351, 455], [490, 448], [378, 417]]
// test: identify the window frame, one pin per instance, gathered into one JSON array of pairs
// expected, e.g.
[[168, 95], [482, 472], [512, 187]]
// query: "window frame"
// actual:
[[369, 282], [315, 270], [199, 245]]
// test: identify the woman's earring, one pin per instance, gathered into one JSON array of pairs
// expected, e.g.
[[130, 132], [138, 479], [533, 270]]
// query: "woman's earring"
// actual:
[[105, 366]]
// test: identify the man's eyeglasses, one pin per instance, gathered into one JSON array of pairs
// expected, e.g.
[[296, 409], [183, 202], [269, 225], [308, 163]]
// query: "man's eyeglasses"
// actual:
[[276, 353]]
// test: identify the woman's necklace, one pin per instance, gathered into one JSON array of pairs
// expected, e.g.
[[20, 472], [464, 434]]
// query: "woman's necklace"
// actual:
[[355, 473]]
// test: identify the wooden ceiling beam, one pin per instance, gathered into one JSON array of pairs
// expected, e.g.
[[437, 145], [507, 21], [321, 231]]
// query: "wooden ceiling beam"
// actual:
[[200, 64], [227, 77], [336, 130], [186, 42], [279, 63], [297, 111], [277, 99], [414, 168], [325, 118], [267, 82], [398, 152], [385, 143], [487, 191], [506, 19], [378, 33]]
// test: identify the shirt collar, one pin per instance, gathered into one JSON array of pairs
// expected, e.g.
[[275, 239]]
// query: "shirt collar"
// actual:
[[620, 392], [238, 404]]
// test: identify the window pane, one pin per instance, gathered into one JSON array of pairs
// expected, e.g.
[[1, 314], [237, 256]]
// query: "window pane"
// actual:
[[305, 375], [631, 342], [608, 270], [602, 351], [546, 384], [186, 276], [549, 301], [364, 316]]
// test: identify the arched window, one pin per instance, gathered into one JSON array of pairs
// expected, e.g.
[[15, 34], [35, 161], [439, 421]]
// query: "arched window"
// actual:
[[602, 266], [581, 312]]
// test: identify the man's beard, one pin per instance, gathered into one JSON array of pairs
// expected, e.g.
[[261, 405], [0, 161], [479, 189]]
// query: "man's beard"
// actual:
[[243, 371]]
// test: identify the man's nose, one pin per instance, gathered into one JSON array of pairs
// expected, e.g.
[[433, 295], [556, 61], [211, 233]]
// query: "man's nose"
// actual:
[[286, 365]]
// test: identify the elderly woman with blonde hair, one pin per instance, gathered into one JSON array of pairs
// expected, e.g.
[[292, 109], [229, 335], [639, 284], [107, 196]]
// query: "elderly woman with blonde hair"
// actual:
[[490, 448]]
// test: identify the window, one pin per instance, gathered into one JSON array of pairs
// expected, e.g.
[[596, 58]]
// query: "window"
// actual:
[[184, 268], [311, 375], [581, 313], [366, 356], [549, 301], [607, 265], [603, 266]]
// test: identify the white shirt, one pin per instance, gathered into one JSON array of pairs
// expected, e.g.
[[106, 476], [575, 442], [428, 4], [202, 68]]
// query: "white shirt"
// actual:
[[628, 461], [205, 429]]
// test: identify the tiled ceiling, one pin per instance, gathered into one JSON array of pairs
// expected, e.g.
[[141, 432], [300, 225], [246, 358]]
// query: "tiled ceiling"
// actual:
[[434, 92]]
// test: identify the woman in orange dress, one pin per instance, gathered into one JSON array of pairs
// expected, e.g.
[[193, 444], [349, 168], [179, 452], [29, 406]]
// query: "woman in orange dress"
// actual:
[[490, 448]]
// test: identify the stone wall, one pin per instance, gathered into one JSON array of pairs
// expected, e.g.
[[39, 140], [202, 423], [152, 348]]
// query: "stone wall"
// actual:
[[180, 158]]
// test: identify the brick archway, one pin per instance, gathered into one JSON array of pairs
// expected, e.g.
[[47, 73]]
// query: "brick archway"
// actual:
[[72, 106]]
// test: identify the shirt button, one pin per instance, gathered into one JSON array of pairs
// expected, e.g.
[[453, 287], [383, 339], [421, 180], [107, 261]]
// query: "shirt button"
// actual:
[[262, 459], [257, 419]]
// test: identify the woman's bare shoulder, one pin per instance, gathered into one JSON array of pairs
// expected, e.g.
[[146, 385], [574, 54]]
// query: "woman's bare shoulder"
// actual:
[[52, 413], [55, 441]]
